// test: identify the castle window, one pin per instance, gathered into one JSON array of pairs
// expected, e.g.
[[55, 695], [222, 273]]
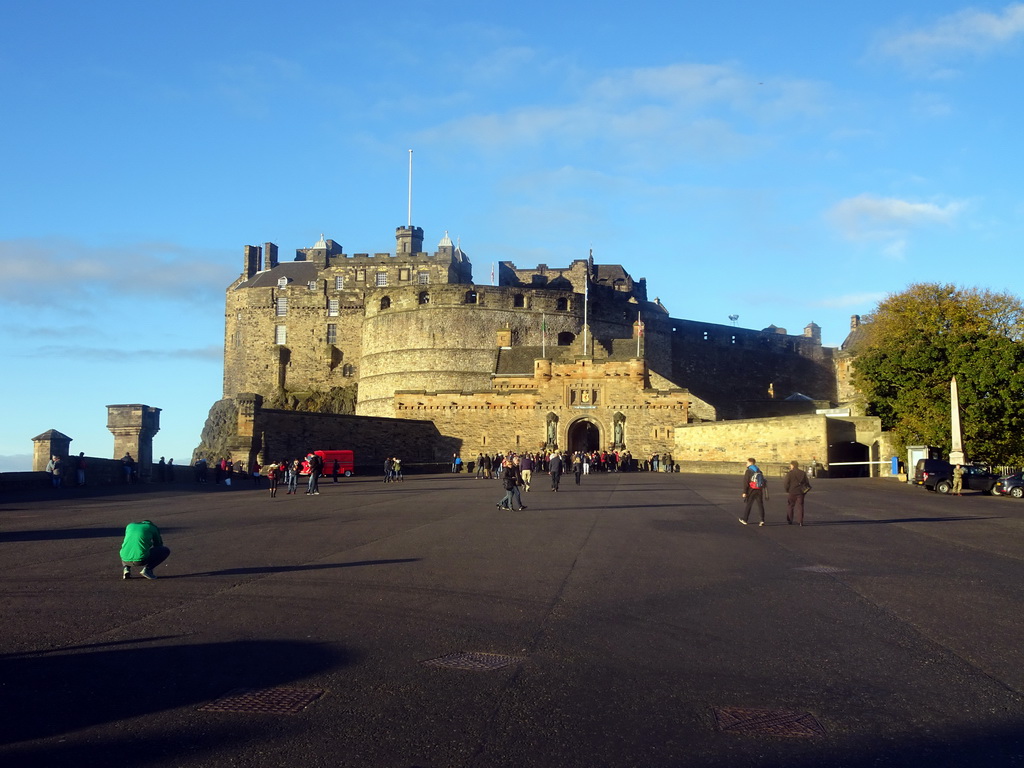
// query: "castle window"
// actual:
[[280, 334], [382, 279], [705, 335], [282, 282], [332, 333], [348, 370], [403, 275], [282, 306], [333, 307], [519, 300], [339, 282], [385, 303], [312, 285], [423, 278], [562, 305], [424, 297], [470, 297]]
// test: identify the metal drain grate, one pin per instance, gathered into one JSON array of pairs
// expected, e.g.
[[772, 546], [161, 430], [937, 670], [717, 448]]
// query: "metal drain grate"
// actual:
[[767, 722], [273, 701], [821, 569], [475, 662]]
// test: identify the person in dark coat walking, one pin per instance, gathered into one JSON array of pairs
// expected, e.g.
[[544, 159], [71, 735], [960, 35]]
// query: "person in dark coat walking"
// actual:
[[555, 470], [796, 486]]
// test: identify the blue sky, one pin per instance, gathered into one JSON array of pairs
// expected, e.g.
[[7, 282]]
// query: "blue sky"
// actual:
[[788, 162]]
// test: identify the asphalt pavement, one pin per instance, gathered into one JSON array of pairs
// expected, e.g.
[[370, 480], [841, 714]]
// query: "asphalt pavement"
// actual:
[[630, 621]]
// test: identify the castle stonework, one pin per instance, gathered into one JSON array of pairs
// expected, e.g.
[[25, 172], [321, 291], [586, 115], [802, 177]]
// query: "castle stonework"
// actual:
[[573, 357]]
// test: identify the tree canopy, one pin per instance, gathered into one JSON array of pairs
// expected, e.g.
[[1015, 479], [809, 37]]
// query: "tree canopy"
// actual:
[[916, 341]]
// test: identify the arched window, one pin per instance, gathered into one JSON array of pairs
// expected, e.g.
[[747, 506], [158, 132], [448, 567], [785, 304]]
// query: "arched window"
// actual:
[[470, 297], [519, 300], [424, 297], [562, 305], [385, 303], [565, 338]]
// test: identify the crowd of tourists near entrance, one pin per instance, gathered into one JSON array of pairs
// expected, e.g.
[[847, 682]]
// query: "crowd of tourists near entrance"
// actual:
[[488, 466]]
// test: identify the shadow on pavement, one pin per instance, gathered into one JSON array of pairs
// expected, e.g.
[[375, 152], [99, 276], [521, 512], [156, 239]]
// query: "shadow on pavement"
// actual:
[[48, 695], [907, 520], [290, 568]]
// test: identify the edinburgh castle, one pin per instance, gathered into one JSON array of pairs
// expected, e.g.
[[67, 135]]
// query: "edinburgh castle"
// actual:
[[405, 353]]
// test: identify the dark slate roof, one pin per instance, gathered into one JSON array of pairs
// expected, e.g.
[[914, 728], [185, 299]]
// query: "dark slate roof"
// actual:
[[300, 272], [518, 361]]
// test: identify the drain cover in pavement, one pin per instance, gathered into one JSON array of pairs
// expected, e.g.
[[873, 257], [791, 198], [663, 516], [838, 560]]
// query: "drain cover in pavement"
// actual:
[[274, 701], [821, 569], [767, 722], [476, 662]]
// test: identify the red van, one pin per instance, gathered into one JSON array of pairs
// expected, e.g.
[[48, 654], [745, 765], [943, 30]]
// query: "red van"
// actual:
[[346, 463]]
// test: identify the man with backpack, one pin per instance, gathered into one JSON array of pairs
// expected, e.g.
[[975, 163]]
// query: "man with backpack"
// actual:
[[754, 489]]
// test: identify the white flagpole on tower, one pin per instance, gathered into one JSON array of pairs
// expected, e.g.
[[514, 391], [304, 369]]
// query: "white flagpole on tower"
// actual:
[[410, 190], [586, 300]]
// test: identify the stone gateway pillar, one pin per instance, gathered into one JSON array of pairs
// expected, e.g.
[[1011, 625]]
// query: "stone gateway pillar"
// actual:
[[134, 427]]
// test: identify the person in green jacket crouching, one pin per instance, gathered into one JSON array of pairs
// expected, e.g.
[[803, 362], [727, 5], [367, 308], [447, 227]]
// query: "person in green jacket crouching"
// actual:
[[142, 547]]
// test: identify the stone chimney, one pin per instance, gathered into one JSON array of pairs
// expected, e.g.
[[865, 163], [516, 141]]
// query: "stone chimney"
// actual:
[[251, 261], [270, 252]]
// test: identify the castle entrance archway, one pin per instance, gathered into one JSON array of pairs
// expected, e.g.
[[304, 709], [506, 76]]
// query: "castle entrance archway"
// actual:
[[584, 436]]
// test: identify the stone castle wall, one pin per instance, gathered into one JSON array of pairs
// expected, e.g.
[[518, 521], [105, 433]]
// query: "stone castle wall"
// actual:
[[774, 442], [280, 435]]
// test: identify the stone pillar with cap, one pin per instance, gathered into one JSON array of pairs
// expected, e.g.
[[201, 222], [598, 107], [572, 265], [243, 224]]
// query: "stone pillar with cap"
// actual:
[[134, 427]]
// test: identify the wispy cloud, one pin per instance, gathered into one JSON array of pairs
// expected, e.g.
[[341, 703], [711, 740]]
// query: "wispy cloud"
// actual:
[[867, 217], [850, 300], [69, 274], [696, 109], [210, 354], [968, 32]]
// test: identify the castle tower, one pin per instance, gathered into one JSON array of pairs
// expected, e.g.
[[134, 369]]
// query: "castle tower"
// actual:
[[50, 443], [408, 240], [134, 427]]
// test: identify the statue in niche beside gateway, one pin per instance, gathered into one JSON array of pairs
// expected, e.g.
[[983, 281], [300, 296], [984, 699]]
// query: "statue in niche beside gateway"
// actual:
[[552, 430], [618, 422]]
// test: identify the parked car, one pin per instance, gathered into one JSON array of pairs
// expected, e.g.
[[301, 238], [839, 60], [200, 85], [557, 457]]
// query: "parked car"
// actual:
[[937, 475], [1011, 485]]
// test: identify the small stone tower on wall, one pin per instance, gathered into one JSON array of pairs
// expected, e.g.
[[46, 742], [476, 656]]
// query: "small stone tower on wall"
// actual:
[[50, 443], [134, 427]]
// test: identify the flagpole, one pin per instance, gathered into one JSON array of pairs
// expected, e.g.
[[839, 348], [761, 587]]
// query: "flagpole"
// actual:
[[639, 332], [410, 189], [586, 301], [543, 335]]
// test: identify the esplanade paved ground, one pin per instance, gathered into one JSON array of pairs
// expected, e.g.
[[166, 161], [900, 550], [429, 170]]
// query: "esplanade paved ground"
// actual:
[[638, 622]]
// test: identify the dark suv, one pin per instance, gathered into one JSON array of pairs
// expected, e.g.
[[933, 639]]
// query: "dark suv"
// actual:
[[937, 475]]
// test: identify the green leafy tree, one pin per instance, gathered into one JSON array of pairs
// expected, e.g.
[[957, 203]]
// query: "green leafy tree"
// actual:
[[916, 341]]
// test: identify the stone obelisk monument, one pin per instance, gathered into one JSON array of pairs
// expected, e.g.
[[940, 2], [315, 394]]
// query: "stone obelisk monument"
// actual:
[[956, 452]]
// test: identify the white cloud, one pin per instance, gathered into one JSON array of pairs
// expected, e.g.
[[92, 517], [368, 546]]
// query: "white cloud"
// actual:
[[68, 274], [870, 217], [970, 31], [696, 109], [850, 300], [210, 354]]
